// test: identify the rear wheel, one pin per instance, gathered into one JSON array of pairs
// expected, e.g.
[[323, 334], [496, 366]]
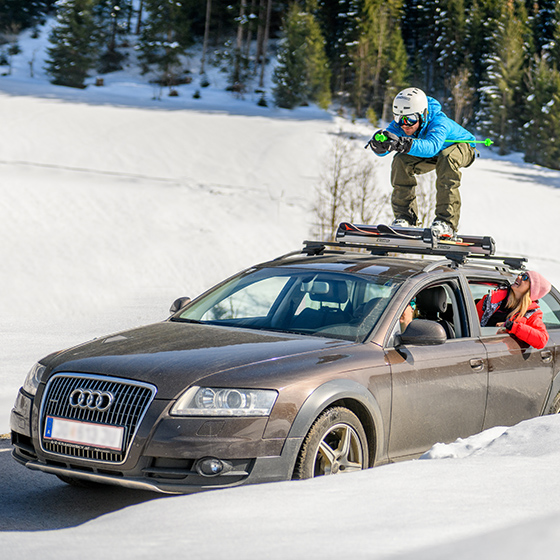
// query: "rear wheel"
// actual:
[[335, 444]]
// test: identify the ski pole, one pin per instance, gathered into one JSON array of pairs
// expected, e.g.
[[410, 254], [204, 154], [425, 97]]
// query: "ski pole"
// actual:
[[380, 137], [486, 142]]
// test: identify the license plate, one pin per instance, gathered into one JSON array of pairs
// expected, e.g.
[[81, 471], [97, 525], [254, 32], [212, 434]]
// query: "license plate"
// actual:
[[84, 433]]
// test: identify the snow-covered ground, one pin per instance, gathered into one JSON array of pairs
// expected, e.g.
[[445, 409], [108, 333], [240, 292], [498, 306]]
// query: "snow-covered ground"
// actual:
[[112, 204]]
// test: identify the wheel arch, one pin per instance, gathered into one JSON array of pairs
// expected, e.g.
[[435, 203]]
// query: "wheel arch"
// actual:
[[353, 396]]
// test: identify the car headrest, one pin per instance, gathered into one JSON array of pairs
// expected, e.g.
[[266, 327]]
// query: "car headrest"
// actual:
[[332, 291], [432, 300]]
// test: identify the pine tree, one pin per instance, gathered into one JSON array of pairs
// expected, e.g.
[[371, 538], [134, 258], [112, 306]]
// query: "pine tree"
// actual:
[[110, 15], [553, 50], [503, 94], [543, 21], [22, 14], [302, 72], [541, 132], [450, 47], [481, 28], [74, 43], [339, 21], [165, 38], [379, 56]]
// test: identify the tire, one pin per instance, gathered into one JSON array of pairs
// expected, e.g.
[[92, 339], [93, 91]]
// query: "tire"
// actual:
[[335, 444], [555, 406]]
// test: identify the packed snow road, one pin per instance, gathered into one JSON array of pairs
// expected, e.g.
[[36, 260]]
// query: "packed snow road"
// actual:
[[31, 501]]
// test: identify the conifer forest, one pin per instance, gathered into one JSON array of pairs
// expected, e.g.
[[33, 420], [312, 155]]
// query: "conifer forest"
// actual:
[[493, 64]]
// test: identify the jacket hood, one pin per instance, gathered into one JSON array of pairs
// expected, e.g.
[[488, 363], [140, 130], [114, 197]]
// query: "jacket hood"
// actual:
[[434, 107]]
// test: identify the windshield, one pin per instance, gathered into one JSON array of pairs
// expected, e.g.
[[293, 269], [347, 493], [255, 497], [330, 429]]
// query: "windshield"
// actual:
[[329, 304]]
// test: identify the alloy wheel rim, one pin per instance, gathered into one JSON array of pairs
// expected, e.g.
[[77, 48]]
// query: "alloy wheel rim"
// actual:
[[340, 451]]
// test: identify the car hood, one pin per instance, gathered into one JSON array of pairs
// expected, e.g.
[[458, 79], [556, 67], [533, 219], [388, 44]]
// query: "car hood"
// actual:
[[174, 355]]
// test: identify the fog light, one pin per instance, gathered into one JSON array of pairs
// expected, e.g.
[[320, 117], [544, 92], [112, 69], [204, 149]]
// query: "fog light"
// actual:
[[209, 466]]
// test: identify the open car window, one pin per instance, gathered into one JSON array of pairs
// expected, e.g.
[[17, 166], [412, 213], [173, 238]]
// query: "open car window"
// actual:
[[479, 289]]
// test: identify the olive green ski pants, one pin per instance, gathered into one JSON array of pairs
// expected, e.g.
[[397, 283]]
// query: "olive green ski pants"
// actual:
[[448, 179]]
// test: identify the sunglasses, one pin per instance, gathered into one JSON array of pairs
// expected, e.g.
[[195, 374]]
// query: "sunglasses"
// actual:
[[413, 304], [524, 277], [407, 120]]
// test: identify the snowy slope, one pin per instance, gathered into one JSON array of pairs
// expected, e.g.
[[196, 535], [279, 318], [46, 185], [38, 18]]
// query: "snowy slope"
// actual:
[[112, 204]]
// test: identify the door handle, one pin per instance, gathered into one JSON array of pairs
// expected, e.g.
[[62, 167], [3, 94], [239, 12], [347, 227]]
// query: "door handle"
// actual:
[[546, 356], [477, 364]]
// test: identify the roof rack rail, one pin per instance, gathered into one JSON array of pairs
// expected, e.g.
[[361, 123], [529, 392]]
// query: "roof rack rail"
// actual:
[[383, 240]]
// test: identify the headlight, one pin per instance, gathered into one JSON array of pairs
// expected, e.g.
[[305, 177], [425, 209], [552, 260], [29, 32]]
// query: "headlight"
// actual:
[[33, 378], [205, 401]]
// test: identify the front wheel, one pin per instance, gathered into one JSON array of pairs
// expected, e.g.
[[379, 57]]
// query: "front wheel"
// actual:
[[335, 444]]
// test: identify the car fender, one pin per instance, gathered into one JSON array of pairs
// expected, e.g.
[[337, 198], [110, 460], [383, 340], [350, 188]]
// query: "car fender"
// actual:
[[337, 390]]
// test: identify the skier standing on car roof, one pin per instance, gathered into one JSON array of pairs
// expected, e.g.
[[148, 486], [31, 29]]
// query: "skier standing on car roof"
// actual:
[[423, 135]]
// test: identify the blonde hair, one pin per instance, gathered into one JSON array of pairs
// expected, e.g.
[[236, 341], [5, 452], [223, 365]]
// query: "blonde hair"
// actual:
[[518, 306]]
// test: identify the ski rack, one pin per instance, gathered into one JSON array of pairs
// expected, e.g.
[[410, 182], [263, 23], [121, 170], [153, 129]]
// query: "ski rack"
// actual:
[[410, 239], [458, 252]]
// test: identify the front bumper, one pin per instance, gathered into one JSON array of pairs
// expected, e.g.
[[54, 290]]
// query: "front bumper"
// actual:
[[182, 481], [165, 453]]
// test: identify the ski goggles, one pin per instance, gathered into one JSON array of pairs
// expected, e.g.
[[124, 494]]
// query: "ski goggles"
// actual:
[[406, 120]]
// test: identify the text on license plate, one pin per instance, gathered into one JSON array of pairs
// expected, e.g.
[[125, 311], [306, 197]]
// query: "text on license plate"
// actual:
[[84, 433]]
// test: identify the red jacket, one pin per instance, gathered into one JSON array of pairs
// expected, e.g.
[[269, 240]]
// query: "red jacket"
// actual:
[[529, 328]]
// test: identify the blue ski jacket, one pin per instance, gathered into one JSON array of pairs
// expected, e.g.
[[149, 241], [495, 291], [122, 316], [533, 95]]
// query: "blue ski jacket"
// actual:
[[431, 138]]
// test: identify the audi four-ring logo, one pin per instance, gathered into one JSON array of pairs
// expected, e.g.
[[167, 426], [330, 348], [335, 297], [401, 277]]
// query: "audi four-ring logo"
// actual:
[[92, 400]]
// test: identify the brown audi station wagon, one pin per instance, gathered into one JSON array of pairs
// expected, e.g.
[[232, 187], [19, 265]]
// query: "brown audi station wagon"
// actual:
[[298, 367]]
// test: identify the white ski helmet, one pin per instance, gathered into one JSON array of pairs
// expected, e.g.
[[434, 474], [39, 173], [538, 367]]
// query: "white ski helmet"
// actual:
[[410, 101]]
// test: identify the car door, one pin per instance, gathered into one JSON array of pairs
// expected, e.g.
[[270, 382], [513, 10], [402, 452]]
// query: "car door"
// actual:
[[519, 376], [439, 392]]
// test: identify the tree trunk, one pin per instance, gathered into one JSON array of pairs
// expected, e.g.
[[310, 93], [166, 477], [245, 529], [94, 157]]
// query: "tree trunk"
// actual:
[[265, 42], [206, 35], [139, 20], [239, 42]]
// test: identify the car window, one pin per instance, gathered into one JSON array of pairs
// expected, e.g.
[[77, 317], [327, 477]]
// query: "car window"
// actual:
[[443, 303], [548, 304], [320, 303], [254, 300], [551, 311], [479, 289]]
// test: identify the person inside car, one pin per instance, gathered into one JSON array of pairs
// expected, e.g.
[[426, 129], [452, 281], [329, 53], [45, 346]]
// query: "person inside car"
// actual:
[[515, 309], [408, 315]]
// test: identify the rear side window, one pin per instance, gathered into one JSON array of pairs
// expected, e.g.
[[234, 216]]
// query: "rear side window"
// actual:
[[549, 304], [551, 311]]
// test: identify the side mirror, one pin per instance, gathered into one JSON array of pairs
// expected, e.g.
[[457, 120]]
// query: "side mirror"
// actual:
[[421, 332], [179, 303]]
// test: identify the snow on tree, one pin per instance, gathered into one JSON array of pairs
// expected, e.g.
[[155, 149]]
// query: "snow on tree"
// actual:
[[302, 74], [164, 39], [74, 43], [502, 99]]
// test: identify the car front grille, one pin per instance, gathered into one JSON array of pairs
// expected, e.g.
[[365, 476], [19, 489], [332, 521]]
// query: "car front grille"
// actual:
[[130, 402]]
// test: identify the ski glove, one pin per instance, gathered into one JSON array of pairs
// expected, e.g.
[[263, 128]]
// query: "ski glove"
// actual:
[[401, 144], [379, 143]]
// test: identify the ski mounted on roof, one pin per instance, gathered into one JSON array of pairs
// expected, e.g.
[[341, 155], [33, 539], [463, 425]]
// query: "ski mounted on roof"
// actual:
[[381, 239]]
